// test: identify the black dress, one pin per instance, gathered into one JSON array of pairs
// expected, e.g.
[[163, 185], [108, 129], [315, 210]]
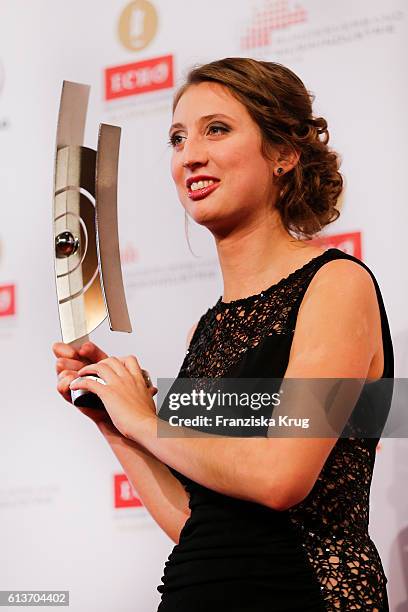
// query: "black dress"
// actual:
[[236, 555]]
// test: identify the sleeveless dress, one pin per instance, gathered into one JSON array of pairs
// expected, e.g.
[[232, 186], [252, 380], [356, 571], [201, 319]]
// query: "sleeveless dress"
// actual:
[[237, 555]]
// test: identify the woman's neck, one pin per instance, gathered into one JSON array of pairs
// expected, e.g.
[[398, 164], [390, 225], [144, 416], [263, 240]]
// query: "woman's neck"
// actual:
[[256, 257]]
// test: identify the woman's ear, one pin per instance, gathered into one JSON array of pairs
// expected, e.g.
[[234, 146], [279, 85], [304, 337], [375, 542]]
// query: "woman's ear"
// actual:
[[287, 159]]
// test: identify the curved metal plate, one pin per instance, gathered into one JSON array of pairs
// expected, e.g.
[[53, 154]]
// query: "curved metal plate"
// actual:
[[107, 159], [75, 167], [89, 280], [80, 299], [72, 114]]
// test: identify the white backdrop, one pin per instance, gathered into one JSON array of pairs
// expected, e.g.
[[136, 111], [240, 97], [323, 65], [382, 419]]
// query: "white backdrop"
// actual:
[[60, 527]]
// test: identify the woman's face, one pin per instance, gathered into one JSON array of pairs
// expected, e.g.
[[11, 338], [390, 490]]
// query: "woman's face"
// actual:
[[214, 139]]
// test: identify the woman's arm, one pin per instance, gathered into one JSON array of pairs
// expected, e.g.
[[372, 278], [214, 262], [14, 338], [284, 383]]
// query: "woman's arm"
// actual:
[[333, 339], [161, 493]]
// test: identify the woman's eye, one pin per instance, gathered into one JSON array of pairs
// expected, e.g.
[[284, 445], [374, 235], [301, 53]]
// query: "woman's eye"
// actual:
[[218, 127], [175, 140]]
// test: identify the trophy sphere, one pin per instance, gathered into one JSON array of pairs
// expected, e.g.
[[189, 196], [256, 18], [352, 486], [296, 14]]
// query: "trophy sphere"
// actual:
[[65, 245]]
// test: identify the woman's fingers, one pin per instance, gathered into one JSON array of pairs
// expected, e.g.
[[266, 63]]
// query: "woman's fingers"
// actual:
[[91, 385], [132, 365], [153, 391], [88, 351], [95, 414], [64, 380], [69, 364], [93, 353], [60, 349], [134, 368], [105, 369]]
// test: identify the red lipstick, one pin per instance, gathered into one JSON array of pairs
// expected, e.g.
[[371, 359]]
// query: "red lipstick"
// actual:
[[199, 194]]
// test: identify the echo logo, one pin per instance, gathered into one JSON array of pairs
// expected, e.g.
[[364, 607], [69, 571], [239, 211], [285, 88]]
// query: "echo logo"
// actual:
[[349, 242], [125, 495], [139, 77], [7, 300]]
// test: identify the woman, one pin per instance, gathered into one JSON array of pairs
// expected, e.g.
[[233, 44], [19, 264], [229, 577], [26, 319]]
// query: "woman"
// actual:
[[259, 523]]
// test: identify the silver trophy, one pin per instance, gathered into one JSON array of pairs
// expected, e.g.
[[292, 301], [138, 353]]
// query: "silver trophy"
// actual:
[[88, 273]]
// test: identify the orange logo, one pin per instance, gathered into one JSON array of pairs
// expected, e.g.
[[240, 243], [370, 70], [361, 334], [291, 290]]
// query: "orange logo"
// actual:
[[137, 25]]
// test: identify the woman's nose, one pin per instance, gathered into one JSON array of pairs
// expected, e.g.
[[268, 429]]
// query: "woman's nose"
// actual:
[[193, 165], [194, 155]]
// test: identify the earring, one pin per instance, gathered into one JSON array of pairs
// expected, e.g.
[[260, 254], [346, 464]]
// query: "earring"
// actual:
[[279, 170]]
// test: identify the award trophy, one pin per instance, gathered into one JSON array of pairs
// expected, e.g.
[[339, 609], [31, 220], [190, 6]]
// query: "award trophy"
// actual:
[[88, 274]]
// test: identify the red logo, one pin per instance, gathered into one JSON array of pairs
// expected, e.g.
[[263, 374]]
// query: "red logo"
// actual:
[[350, 243], [129, 254], [139, 77], [275, 15], [7, 300], [125, 495]]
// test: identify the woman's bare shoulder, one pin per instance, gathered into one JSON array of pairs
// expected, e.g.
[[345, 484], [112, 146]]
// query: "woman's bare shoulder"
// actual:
[[339, 310], [338, 272]]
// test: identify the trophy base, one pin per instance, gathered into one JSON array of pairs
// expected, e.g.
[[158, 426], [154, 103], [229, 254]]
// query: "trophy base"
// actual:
[[86, 399]]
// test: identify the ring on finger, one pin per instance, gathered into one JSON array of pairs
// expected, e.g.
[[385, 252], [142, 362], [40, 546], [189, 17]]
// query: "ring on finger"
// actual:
[[147, 378]]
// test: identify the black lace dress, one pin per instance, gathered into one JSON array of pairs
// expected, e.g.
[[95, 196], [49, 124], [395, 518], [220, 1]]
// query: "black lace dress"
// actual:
[[242, 556]]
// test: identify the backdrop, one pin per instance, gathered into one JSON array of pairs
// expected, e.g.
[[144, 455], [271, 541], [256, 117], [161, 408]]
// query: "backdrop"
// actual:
[[68, 517]]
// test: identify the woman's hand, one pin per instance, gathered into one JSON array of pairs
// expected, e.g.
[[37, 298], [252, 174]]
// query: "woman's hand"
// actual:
[[69, 362], [127, 399]]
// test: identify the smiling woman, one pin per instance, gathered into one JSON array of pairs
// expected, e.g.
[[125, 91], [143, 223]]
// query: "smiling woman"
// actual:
[[259, 107], [252, 164], [260, 523]]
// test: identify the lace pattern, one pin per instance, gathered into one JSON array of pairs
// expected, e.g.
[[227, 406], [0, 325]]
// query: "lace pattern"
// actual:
[[227, 330], [332, 522]]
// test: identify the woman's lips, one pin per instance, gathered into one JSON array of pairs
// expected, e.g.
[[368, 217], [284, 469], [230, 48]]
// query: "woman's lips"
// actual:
[[199, 194]]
